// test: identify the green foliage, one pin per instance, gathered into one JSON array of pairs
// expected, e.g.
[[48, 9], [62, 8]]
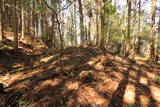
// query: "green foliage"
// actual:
[[131, 105], [109, 8], [22, 103], [87, 73], [61, 102], [157, 79], [114, 27], [28, 2], [39, 8]]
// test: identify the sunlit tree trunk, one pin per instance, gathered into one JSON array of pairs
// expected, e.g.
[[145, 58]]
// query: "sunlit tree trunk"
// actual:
[[97, 23], [102, 17], [139, 29], [75, 24], [81, 22], [128, 29], [22, 19], [153, 29], [72, 26], [158, 42]]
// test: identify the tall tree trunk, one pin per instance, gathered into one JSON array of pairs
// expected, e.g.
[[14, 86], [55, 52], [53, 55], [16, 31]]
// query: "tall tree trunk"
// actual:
[[89, 31], [139, 29], [152, 35], [1, 19], [128, 29], [75, 24], [33, 18], [102, 16], [15, 27], [22, 19], [158, 42], [72, 28], [97, 23], [81, 22]]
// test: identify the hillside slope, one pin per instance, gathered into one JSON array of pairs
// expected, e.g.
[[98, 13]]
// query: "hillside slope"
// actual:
[[90, 77]]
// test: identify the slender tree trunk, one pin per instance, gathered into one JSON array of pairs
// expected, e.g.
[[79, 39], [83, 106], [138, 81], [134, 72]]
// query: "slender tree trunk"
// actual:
[[22, 19], [102, 44], [33, 18], [81, 22], [89, 30], [139, 30], [15, 27], [97, 23], [1, 27], [1, 20], [158, 43], [128, 29], [152, 35], [75, 24], [72, 27]]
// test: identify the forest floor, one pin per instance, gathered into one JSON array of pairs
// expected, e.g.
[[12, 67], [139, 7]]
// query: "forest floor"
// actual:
[[90, 78]]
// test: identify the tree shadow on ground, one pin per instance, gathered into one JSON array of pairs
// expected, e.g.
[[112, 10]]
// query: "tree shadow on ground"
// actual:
[[85, 81]]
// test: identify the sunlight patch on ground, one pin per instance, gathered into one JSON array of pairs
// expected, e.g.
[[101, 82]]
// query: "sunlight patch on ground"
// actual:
[[119, 59], [93, 61], [135, 67], [108, 87], [46, 59], [144, 101], [155, 91], [9, 79], [53, 82], [143, 81], [132, 75], [99, 66], [118, 76], [68, 68], [151, 75], [87, 95], [72, 85], [129, 96]]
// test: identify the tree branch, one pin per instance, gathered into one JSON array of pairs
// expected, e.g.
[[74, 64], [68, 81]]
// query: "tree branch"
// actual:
[[59, 10]]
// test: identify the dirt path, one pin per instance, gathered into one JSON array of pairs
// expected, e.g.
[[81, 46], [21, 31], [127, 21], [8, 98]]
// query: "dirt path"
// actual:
[[89, 80]]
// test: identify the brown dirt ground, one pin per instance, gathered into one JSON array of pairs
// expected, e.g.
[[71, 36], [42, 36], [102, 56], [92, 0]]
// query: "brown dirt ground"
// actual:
[[90, 78]]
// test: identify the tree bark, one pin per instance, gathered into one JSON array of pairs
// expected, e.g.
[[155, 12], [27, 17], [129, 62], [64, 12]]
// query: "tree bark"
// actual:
[[139, 29], [1, 20], [158, 43], [128, 29], [102, 17], [15, 27], [153, 29], [22, 19], [81, 22], [97, 23]]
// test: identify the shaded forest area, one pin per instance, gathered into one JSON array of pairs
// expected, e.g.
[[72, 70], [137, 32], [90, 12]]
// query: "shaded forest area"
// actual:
[[79, 53]]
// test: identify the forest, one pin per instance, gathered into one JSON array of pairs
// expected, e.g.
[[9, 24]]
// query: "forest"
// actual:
[[79, 53]]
